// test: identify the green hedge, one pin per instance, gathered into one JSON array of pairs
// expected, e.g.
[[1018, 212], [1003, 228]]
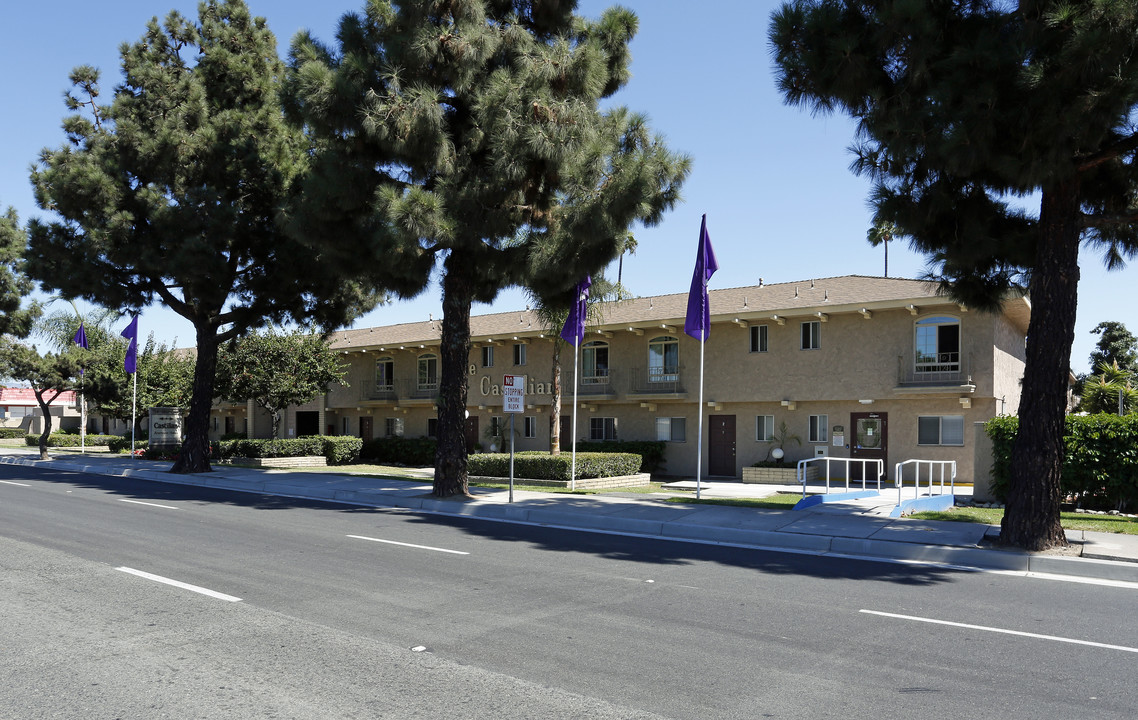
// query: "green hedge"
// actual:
[[10, 433], [337, 449], [120, 443], [341, 449], [540, 465], [68, 440], [1100, 467], [650, 451], [415, 452]]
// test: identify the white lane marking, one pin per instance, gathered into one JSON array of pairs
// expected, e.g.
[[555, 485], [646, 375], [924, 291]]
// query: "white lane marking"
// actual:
[[139, 502], [8, 482], [179, 584], [1004, 631], [420, 547]]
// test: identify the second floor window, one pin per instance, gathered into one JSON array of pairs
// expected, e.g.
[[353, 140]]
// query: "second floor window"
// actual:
[[937, 344], [811, 335], [595, 363], [384, 373], [520, 354], [663, 359], [488, 356], [428, 376], [759, 338]]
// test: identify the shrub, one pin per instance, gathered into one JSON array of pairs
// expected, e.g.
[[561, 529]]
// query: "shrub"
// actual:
[[1100, 467], [650, 451], [10, 433], [270, 448], [68, 440], [416, 452], [540, 465], [341, 449]]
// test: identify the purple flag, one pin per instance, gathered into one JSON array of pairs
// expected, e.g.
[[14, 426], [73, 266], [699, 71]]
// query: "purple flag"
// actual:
[[574, 330], [81, 337], [131, 334], [698, 321]]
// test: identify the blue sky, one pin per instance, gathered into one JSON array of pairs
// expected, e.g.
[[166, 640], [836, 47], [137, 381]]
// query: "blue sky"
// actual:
[[772, 179]]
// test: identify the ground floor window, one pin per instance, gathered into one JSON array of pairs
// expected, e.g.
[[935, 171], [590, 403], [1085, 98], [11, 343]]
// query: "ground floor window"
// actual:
[[496, 424], [819, 429], [671, 429], [602, 428], [529, 423], [764, 428], [393, 427], [940, 430], [432, 427]]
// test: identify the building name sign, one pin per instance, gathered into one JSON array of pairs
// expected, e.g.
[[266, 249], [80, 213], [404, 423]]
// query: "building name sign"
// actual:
[[489, 388]]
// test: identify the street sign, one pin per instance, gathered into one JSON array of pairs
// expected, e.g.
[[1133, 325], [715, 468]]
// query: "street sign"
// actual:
[[514, 393]]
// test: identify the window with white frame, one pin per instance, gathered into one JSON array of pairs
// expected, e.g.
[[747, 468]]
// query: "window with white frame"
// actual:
[[519, 353], [497, 425], [384, 373], [488, 356], [940, 430], [812, 335], [671, 429], [529, 423], [393, 427], [346, 425], [764, 428], [602, 428], [937, 344], [663, 359], [819, 431], [428, 375], [595, 363], [759, 335]]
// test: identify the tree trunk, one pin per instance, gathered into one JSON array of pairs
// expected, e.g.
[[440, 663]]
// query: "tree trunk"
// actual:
[[555, 402], [46, 410], [1031, 518], [194, 456], [450, 458]]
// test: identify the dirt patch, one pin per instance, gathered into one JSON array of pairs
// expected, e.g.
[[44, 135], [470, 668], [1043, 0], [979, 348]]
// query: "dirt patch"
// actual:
[[1074, 549]]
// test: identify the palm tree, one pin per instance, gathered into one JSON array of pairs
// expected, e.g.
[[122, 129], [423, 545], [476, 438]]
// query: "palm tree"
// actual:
[[1101, 392]]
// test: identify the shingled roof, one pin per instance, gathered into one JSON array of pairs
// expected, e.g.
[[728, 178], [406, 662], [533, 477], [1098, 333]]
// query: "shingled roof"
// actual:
[[848, 293]]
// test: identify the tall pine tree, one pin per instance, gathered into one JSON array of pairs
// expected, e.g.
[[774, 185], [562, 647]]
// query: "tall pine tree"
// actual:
[[466, 137], [964, 109], [177, 191]]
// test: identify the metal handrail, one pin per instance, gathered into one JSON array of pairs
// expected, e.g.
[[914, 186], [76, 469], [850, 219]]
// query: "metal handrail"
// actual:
[[917, 483], [801, 470]]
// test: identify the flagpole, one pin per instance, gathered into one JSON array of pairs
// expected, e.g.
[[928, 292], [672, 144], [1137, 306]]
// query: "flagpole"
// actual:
[[133, 412], [699, 438], [697, 324], [573, 454]]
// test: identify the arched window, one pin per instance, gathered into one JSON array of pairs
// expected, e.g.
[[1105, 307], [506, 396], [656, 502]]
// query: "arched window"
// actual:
[[663, 359], [428, 377], [937, 344], [384, 373], [595, 359]]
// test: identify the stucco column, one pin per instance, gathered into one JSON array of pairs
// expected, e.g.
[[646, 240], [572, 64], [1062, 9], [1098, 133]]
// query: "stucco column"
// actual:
[[250, 408]]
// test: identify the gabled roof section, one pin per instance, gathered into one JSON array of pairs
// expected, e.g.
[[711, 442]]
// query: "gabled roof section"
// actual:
[[848, 293], [27, 396]]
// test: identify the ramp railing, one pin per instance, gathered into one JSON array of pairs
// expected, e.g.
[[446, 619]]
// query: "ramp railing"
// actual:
[[865, 464], [933, 466]]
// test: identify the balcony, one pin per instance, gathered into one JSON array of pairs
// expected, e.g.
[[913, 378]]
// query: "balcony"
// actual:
[[370, 392], [940, 373], [415, 392], [657, 381]]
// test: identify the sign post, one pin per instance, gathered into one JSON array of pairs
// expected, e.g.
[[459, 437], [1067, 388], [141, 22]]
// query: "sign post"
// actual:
[[513, 402]]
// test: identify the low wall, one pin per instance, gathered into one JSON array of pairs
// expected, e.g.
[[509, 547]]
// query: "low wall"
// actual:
[[778, 475], [637, 480], [282, 462]]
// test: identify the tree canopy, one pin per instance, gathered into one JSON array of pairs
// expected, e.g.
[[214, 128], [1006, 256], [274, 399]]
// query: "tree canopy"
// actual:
[[965, 112], [467, 138], [48, 374], [16, 317], [276, 370], [178, 191], [1116, 346]]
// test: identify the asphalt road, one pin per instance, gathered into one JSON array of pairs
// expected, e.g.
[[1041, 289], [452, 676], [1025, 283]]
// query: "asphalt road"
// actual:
[[323, 611]]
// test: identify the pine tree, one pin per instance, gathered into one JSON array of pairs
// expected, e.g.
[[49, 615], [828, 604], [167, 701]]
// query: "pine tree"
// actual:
[[467, 136], [16, 316], [963, 110], [1116, 346], [178, 191]]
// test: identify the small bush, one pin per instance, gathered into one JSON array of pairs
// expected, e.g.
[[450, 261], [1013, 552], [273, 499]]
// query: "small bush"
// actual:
[[416, 452], [650, 451], [68, 440], [11, 433], [540, 465], [341, 449]]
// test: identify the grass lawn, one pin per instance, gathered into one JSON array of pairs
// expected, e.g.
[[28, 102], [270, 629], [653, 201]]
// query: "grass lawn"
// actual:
[[1070, 520]]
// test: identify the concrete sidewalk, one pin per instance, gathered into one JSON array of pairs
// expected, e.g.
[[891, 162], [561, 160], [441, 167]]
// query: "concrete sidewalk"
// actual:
[[852, 528]]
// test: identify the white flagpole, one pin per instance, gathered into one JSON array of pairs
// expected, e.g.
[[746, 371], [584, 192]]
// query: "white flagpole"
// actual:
[[82, 418], [133, 411], [573, 462], [699, 440]]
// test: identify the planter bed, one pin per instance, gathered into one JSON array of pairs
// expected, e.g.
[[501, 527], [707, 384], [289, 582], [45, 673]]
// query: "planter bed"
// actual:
[[637, 480], [779, 475], [282, 462]]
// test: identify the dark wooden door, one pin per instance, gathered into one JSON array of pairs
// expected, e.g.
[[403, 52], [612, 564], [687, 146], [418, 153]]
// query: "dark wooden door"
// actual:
[[869, 439], [721, 445], [471, 433], [365, 427]]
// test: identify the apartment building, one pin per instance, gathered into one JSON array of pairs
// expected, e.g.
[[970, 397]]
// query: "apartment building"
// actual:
[[852, 366]]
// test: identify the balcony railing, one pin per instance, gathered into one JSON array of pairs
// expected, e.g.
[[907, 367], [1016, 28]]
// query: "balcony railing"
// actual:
[[603, 384], [415, 390], [384, 393], [657, 381], [935, 370]]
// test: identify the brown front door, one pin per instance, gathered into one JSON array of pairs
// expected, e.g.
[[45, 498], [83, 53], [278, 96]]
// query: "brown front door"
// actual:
[[365, 427], [721, 445], [471, 434], [869, 439]]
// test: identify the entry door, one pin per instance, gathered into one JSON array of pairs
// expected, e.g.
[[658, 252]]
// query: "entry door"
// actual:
[[365, 427], [471, 433], [870, 441], [721, 445], [307, 423]]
